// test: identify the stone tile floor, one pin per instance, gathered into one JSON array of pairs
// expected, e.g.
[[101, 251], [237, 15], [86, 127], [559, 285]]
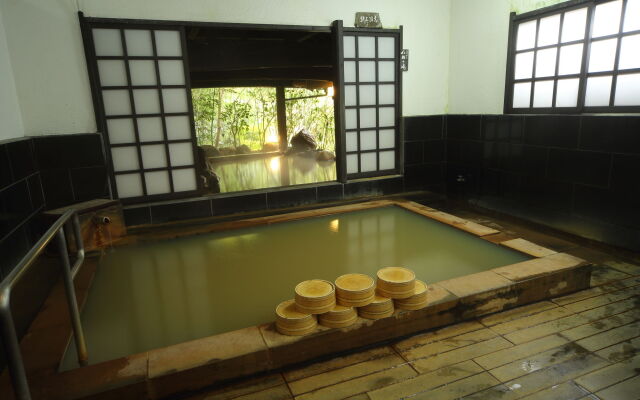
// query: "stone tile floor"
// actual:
[[585, 345]]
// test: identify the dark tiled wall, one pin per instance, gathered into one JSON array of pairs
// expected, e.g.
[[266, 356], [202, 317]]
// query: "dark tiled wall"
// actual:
[[575, 173], [425, 153]]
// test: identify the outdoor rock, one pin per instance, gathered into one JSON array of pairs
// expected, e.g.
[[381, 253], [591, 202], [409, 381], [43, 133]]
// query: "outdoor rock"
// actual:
[[325, 155], [227, 151], [210, 151], [243, 149], [303, 141]]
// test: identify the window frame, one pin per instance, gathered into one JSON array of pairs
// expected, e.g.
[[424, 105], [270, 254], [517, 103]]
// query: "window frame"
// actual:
[[587, 40]]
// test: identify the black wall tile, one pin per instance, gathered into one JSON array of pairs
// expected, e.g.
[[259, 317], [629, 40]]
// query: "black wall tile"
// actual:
[[465, 152], [547, 194], [412, 153], [434, 151], [604, 205], [362, 188], [616, 134], [464, 127], [13, 248], [180, 211], [56, 185], [6, 178], [239, 203], [552, 130], [423, 127], [528, 160], [137, 216], [291, 197], [576, 166], [21, 158], [502, 127], [496, 155], [625, 176], [89, 183], [35, 191], [330, 192], [391, 185], [15, 206], [419, 177], [69, 151]]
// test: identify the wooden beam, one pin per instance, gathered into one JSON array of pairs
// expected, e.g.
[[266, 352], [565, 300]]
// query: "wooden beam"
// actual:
[[282, 118]]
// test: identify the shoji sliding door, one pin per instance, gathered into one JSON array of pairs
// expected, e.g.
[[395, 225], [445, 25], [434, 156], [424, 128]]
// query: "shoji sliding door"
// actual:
[[143, 106], [371, 96]]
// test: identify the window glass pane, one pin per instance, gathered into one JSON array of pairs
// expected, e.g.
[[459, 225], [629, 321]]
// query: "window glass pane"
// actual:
[[387, 116], [107, 42], [352, 141], [352, 163], [168, 44], [368, 162], [602, 55], [574, 24], [146, 101], [178, 127], [367, 118], [129, 185], [184, 179], [124, 158], [121, 130], [387, 160], [180, 154], [153, 156], [386, 71], [598, 91], [350, 119], [387, 138], [628, 90], [607, 18], [549, 29], [171, 72], [368, 140], [350, 95], [112, 73], [143, 72], [521, 95], [567, 92], [524, 65], [349, 47], [386, 47], [150, 129], [632, 16], [570, 59], [367, 71], [366, 47], [386, 94], [546, 62], [116, 102], [174, 100], [526, 35], [367, 95], [138, 42], [630, 52], [543, 94], [157, 182], [349, 71]]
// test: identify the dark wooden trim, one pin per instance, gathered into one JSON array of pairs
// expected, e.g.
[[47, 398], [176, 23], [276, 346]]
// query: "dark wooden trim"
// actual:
[[281, 110]]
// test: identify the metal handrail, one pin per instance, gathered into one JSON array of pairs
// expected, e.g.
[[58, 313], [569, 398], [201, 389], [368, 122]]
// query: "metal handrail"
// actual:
[[12, 346]]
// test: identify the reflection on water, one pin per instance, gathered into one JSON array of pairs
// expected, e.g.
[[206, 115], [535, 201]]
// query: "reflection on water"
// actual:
[[154, 295], [273, 171]]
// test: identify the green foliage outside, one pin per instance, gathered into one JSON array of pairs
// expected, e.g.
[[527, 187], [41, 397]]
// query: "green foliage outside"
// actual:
[[230, 117]]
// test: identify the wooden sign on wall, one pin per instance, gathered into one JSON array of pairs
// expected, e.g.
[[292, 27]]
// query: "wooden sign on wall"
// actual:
[[367, 20]]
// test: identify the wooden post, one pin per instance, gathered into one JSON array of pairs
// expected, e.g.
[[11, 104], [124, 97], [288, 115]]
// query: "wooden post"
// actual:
[[282, 118]]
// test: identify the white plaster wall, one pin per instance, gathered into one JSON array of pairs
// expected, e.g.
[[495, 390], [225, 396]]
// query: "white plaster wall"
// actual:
[[479, 32], [10, 118], [50, 70]]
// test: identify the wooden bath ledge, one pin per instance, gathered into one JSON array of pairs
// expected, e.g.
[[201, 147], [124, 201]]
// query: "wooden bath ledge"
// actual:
[[192, 365]]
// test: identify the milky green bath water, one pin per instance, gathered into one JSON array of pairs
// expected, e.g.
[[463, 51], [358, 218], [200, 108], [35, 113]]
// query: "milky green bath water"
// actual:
[[154, 295]]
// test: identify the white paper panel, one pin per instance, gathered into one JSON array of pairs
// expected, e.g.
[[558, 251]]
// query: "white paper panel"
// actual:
[[630, 52], [168, 44], [521, 95], [121, 130], [546, 62], [607, 18], [543, 94], [184, 179], [549, 30], [366, 71], [570, 59], [138, 42], [349, 71], [352, 141], [178, 127], [602, 55], [181, 154], [598, 91], [386, 71], [124, 158], [157, 182], [349, 49], [632, 16], [367, 95], [352, 163], [368, 162], [146, 101], [526, 35], [112, 73], [153, 156], [386, 47], [567, 92], [368, 140], [366, 47], [350, 95], [350, 119], [628, 90], [367, 118], [524, 65], [116, 102], [574, 24], [386, 94], [387, 160], [150, 129], [386, 116], [107, 42], [129, 185], [175, 100], [143, 72], [387, 138], [171, 72]]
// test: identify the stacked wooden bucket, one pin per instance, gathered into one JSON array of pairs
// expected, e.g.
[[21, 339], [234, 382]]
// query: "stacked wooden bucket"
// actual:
[[338, 305]]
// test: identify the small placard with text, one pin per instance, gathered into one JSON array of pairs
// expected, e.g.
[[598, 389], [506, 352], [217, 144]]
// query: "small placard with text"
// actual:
[[368, 20]]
